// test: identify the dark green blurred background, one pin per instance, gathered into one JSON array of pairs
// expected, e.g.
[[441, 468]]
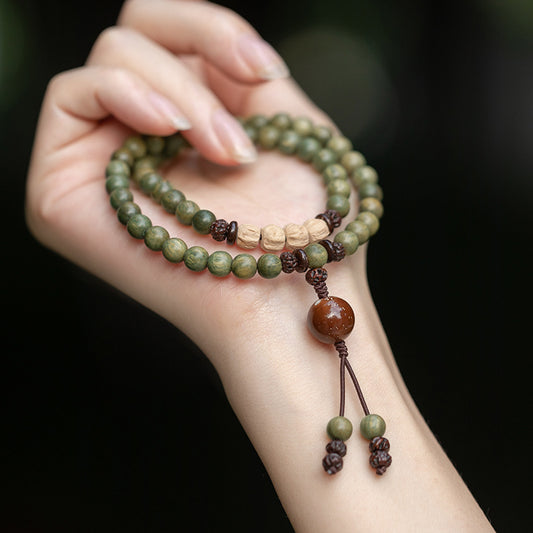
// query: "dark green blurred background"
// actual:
[[99, 394]]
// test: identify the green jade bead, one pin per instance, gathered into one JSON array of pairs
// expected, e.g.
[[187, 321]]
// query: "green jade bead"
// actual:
[[340, 428], [195, 258], [155, 145], [244, 266], [150, 181], [370, 220], [119, 196], [154, 238], [288, 142], [257, 121], [269, 266], [116, 166], [268, 137], [370, 190], [334, 172], [123, 154], [185, 211], [162, 188], [138, 225], [364, 174], [360, 229], [174, 249], [339, 203], [282, 121], [353, 160], [349, 241], [202, 220], [126, 211], [136, 146], [307, 148], [340, 145], [116, 181], [321, 133], [316, 254], [323, 158], [219, 263], [372, 426], [302, 126], [171, 199], [373, 205], [339, 187]]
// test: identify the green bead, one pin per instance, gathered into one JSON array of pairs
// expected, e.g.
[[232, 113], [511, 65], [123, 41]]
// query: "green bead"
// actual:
[[321, 134], [119, 196], [123, 154], [116, 181], [202, 220], [251, 132], [139, 172], [372, 426], [150, 181], [244, 266], [360, 229], [117, 167], [353, 160], [370, 220], [316, 254], [154, 238], [171, 199], [373, 205], [219, 263], [126, 211], [349, 240], [136, 146], [288, 142], [174, 249], [174, 144], [364, 174], [281, 121], [340, 428], [138, 225], [185, 210], [257, 121], [307, 148], [339, 145], [269, 266], [370, 190], [340, 187], [323, 158], [147, 161], [302, 126], [341, 204], [334, 172], [268, 136], [155, 145], [162, 188], [195, 258]]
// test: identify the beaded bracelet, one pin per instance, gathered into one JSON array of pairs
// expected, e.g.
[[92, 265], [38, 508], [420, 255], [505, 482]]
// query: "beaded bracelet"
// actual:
[[307, 249]]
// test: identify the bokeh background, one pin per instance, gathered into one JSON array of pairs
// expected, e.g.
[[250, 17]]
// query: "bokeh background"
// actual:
[[100, 395]]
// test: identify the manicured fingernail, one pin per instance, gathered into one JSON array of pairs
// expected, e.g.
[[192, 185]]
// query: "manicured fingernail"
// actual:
[[233, 137], [262, 58], [166, 108]]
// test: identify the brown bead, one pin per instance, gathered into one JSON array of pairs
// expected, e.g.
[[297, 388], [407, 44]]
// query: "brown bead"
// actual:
[[379, 444], [331, 319], [219, 229], [380, 460], [328, 245], [316, 275], [231, 235], [302, 261], [332, 463], [288, 262], [336, 446]]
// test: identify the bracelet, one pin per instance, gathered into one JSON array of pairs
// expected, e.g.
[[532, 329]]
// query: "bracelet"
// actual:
[[306, 246]]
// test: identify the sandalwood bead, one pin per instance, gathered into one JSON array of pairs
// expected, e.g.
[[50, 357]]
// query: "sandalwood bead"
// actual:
[[296, 236], [248, 236], [317, 229], [272, 238], [331, 319]]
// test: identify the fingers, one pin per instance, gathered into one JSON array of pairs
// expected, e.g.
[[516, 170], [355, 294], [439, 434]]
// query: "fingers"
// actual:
[[215, 133], [216, 33], [86, 95]]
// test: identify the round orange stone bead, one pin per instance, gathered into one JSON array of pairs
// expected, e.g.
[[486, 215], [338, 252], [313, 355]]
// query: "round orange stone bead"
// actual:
[[331, 319]]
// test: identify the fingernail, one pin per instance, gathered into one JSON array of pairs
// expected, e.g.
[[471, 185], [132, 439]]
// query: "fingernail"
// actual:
[[262, 58], [233, 137], [166, 108]]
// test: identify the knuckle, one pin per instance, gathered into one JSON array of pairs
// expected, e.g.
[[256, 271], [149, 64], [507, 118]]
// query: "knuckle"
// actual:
[[109, 40]]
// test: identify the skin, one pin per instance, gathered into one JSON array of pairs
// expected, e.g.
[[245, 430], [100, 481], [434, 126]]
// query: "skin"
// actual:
[[136, 78]]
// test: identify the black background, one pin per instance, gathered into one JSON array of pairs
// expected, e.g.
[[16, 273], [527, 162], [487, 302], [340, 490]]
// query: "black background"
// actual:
[[100, 395]]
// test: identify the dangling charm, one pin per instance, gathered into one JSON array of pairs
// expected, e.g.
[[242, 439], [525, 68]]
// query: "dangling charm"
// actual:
[[331, 320]]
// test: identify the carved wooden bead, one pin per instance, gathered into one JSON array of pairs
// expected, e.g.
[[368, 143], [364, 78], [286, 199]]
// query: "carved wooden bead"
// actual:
[[332, 463], [296, 236], [317, 229], [248, 236], [272, 238], [331, 319]]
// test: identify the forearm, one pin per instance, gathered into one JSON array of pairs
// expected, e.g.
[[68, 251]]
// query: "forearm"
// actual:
[[283, 385]]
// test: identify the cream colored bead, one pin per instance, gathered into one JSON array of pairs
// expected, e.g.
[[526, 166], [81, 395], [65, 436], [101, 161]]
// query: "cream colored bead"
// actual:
[[248, 236], [317, 229], [296, 236], [272, 238]]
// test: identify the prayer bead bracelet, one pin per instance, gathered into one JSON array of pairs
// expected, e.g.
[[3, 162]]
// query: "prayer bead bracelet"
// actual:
[[307, 249]]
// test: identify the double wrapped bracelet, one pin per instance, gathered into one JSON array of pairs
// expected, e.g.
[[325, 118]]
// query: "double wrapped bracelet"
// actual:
[[302, 248]]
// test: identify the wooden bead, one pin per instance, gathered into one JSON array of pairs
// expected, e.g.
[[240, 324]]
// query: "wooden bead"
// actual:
[[331, 319], [317, 229], [248, 236], [296, 236], [272, 238]]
